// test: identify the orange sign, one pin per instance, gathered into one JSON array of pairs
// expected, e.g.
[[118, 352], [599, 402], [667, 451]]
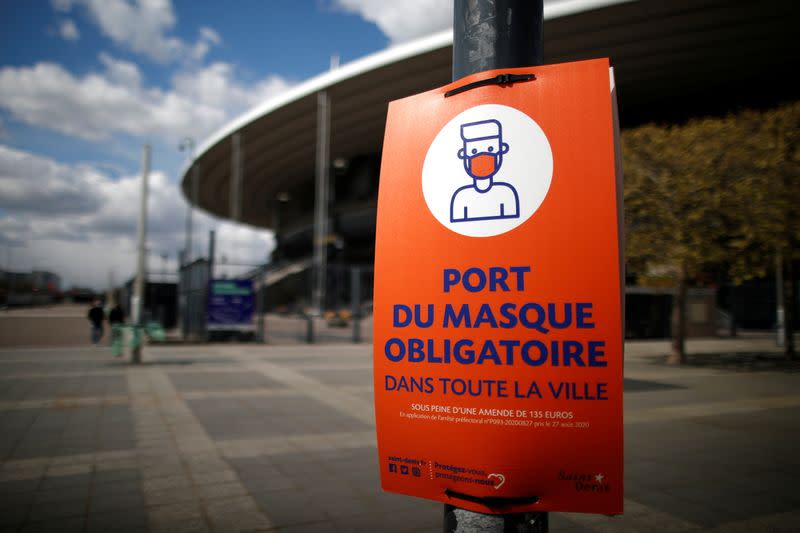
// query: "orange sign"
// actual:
[[497, 308]]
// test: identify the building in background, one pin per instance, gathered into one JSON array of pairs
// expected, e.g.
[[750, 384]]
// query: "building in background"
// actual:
[[672, 60], [29, 288]]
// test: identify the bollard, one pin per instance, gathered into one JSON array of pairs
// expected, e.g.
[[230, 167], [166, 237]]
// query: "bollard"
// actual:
[[355, 302], [309, 328]]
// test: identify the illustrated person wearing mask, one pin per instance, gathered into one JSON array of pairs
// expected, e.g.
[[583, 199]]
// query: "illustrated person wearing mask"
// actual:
[[482, 155]]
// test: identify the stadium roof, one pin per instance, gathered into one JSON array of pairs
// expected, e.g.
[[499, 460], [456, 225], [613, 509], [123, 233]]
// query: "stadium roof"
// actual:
[[672, 60]]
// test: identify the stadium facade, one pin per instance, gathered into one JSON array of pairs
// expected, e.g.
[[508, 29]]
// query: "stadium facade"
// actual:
[[673, 60]]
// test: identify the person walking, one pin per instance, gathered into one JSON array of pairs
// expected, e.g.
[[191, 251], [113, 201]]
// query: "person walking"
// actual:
[[96, 317], [116, 318]]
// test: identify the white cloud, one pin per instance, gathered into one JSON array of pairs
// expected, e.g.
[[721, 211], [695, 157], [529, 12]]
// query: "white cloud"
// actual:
[[62, 5], [143, 27], [80, 223], [207, 38], [121, 73], [68, 30], [140, 26], [403, 21], [407, 20], [98, 105], [37, 185], [208, 34]]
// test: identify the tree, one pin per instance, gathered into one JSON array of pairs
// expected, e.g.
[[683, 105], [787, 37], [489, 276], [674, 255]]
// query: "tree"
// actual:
[[768, 165], [713, 191]]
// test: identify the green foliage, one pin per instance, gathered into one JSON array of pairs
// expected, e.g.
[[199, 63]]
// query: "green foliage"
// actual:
[[713, 191]]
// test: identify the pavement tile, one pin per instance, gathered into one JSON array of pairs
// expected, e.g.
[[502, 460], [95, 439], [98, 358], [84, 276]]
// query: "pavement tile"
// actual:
[[14, 514], [190, 524], [44, 511], [103, 464], [22, 474], [81, 458], [76, 480], [69, 470], [240, 521], [341, 507], [780, 522], [317, 527], [179, 517], [221, 491], [207, 466], [16, 499], [68, 525], [216, 477], [118, 521], [106, 502], [240, 503], [168, 482], [385, 523], [689, 511], [18, 486], [119, 455], [163, 470], [560, 523], [288, 507], [62, 494], [169, 496], [112, 476], [266, 484]]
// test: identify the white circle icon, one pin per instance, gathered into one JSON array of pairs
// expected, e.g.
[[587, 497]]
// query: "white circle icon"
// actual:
[[487, 171]]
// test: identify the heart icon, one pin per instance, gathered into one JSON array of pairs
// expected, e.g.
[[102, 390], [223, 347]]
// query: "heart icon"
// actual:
[[500, 479]]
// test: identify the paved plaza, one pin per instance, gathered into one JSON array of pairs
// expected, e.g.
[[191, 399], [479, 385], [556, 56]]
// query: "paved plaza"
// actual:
[[233, 437]]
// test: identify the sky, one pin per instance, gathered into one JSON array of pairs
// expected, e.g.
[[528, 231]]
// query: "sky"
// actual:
[[85, 84]]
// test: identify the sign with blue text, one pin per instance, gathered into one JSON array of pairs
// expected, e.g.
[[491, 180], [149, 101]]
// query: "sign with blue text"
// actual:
[[498, 294], [230, 305]]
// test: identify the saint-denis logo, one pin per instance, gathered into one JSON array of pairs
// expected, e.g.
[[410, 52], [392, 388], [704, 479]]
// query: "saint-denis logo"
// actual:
[[487, 171]]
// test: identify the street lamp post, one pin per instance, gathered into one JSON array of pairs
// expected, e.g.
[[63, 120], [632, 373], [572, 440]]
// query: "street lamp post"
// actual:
[[138, 291], [187, 145]]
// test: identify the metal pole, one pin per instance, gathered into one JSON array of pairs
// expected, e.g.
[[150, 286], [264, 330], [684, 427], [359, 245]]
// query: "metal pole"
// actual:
[[492, 34], [355, 302], [235, 203], [780, 324], [188, 245], [212, 244], [138, 290], [262, 296], [321, 203], [488, 35], [188, 144], [182, 318]]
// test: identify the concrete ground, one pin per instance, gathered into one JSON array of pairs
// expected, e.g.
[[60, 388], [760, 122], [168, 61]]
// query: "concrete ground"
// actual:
[[281, 438]]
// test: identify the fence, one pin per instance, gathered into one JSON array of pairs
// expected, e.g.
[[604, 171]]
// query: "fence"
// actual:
[[192, 299]]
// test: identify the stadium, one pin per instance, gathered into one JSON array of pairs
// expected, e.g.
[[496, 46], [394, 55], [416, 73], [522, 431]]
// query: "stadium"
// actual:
[[672, 61]]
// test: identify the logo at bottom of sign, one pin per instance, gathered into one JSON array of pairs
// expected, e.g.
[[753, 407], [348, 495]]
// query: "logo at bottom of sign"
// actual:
[[499, 478]]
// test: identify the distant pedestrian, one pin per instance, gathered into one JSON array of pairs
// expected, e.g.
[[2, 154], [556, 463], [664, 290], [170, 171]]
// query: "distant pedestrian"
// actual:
[[96, 317], [116, 317]]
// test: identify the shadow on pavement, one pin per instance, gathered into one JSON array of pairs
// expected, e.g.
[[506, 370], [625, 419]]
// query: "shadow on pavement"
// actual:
[[640, 385], [738, 361]]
